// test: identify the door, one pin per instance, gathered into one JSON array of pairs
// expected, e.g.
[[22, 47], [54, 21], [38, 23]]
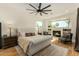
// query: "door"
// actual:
[[0, 37], [77, 32]]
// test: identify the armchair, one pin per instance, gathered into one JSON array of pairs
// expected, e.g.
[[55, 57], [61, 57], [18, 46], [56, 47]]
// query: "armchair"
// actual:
[[67, 36]]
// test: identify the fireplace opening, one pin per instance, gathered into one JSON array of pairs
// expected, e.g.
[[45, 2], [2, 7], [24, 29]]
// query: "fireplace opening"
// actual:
[[57, 33]]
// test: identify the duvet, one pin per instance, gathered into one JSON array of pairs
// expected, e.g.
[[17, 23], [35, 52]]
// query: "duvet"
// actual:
[[31, 45]]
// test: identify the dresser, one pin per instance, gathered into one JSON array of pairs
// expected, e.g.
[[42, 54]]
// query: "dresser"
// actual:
[[9, 41]]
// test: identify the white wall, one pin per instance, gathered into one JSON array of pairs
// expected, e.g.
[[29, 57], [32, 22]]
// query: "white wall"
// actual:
[[16, 15]]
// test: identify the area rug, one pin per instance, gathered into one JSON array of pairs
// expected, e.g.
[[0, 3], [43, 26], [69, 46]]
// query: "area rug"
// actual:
[[52, 50]]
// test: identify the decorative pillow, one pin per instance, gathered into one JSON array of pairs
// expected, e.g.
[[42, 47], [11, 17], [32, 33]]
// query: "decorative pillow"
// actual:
[[29, 34], [23, 34], [45, 33], [39, 33], [33, 34]]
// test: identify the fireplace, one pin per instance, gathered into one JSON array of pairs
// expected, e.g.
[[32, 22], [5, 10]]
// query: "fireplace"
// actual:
[[57, 33]]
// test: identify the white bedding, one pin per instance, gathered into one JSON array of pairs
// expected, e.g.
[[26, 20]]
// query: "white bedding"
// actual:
[[33, 44], [37, 39]]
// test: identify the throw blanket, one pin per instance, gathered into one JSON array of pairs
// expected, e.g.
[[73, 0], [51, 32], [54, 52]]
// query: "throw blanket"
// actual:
[[24, 43]]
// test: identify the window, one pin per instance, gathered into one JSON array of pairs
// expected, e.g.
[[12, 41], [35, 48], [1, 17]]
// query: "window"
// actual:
[[60, 24], [39, 23]]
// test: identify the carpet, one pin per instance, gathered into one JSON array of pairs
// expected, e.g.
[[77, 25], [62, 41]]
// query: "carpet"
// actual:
[[52, 50]]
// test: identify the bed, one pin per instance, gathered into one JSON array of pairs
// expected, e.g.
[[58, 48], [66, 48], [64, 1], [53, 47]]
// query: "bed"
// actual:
[[33, 44]]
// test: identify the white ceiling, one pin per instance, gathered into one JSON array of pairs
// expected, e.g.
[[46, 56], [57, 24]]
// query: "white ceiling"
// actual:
[[19, 9]]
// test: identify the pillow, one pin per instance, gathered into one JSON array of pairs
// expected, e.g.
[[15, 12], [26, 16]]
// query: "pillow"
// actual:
[[23, 34], [28, 34], [39, 33], [19, 34], [45, 33], [33, 34]]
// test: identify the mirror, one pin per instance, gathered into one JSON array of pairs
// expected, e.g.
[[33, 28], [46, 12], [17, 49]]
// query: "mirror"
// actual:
[[60, 24]]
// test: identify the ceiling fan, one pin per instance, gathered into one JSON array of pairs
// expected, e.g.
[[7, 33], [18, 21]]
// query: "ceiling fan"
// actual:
[[39, 9]]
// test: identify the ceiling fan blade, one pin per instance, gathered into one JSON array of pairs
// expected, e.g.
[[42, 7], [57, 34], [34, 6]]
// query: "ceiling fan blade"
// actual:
[[40, 13], [30, 9], [36, 13], [44, 12], [39, 6], [32, 12], [46, 7], [33, 6], [47, 10]]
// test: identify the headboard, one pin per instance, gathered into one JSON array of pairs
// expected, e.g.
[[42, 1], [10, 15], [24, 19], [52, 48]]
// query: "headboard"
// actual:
[[27, 31]]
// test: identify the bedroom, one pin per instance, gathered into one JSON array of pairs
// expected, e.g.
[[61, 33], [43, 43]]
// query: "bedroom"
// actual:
[[16, 18]]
